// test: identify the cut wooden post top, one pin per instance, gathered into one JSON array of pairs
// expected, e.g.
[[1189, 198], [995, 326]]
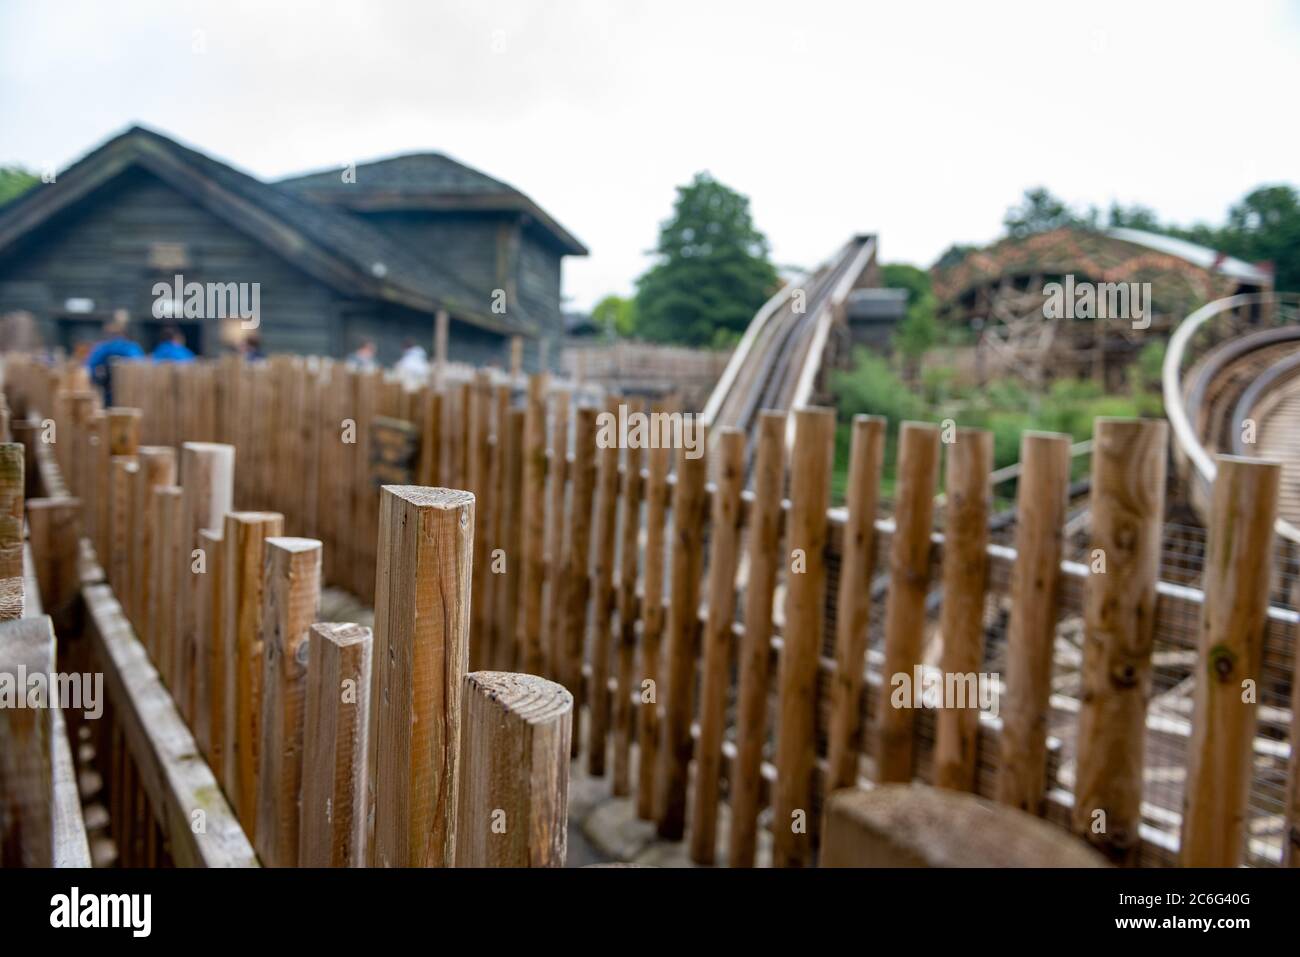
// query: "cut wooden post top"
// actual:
[[914, 825], [425, 497], [528, 697], [254, 518], [341, 633], [290, 543], [28, 642]]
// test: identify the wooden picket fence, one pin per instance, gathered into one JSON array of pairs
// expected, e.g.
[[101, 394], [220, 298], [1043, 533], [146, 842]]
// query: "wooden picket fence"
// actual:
[[716, 640]]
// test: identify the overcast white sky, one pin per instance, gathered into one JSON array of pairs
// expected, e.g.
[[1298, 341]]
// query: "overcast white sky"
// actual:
[[918, 121]]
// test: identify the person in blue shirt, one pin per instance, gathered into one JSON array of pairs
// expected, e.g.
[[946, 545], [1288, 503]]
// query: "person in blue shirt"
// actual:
[[114, 345], [171, 347]]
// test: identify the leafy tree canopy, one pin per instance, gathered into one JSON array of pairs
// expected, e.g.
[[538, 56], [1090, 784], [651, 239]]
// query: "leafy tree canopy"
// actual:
[[14, 181], [713, 271], [615, 316]]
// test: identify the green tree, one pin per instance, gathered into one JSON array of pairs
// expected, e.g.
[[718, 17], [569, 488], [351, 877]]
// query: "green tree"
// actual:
[[1265, 227], [615, 316], [1038, 212], [713, 271], [919, 330], [14, 181]]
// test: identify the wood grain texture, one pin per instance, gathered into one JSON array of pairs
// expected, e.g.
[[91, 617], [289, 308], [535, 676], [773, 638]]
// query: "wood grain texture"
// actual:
[[909, 579], [1041, 500], [27, 745], [577, 561], [792, 810], [764, 556], [11, 530], [421, 636], [626, 685], [602, 599], [557, 477], [529, 626], [1128, 507], [677, 690], [336, 734], [514, 785], [157, 470], [853, 611], [961, 620], [652, 628], [244, 540], [290, 598], [1220, 754], [724, 549]]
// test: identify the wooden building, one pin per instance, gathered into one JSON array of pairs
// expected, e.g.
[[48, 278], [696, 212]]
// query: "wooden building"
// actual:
[[371, 251]]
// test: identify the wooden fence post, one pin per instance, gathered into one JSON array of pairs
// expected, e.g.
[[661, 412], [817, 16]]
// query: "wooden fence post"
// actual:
[[290, 597], [207, 483], [422, 592], [55, 531], [1128, 509], [514, 787], [961, 622], [210, 654], [690, 513], [554, 548], [506, 595], [764, 556], [1221, 752], [11, 530], [1041, 500], [909, 579], [26, 748], [336, 735], [577, 562], [625, 682], [244, 541], [724, 544], [652, 627], [157, 470], [1291, 845], [602, 610], [792, 810], [534, 497], [165, 507], [853, 610]]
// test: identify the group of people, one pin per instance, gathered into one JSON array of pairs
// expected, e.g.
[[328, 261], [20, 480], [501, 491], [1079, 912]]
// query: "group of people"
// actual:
[[412, 368], [116, 344]]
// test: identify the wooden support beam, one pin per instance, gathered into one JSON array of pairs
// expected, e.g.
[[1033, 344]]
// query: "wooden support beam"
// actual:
[[290, 598], [244, 540], [27, 743], [1041, 499], [422, 591], [200, 828], [1239, 546], [765, 557], [514, 784], [961, 623], [792, 810], [853, 609], [1128, 509], [724, 548], [336, 734]]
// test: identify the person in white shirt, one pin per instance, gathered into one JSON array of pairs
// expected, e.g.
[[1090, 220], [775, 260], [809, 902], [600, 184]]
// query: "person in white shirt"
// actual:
[[413, 367]]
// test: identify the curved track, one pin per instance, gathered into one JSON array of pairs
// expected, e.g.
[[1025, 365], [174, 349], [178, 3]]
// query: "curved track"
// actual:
[[1232, 385], [776, 363]]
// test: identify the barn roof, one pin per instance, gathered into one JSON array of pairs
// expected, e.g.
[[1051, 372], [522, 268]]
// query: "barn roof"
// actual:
[[329, 243], [427, 181]]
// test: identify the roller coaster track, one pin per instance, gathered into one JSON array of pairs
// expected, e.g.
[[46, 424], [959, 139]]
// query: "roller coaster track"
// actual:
[[1231, 383], [775, 365]]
